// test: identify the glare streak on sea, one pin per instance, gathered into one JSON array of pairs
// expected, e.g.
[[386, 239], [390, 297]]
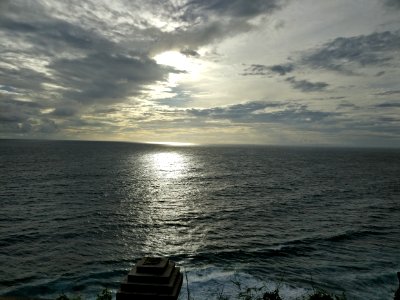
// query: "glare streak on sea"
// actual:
[[75, 216]]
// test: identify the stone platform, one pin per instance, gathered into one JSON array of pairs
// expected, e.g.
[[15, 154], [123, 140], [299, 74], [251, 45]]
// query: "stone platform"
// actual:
[[152, 278]]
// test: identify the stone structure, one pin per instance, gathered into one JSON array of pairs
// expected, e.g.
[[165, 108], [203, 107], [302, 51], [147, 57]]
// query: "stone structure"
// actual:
[[397, 294], [152, 278]]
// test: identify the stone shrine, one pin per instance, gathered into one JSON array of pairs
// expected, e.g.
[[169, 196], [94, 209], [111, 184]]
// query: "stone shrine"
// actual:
[[152, 278]]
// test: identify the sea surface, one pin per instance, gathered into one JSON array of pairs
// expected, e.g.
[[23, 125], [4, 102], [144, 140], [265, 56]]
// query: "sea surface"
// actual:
[[75, 217]]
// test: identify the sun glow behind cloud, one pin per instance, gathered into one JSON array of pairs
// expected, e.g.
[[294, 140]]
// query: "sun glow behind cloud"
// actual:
[[190, 68]]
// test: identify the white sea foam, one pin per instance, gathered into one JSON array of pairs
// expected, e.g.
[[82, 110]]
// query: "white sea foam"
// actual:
[[210, 281]]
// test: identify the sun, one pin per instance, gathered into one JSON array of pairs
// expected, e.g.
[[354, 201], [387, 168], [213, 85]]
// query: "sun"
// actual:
[[189, 66], [173, 59]]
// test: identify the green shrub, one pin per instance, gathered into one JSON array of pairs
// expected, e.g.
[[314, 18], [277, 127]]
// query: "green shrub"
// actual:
[[62, 297], [105, 295], [323, 295], [272, 295]]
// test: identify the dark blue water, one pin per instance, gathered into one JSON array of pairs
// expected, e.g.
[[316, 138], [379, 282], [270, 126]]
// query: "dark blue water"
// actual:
[[75, 216]]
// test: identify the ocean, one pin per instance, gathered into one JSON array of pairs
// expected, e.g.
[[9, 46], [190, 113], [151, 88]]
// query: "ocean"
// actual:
[[75, 216]]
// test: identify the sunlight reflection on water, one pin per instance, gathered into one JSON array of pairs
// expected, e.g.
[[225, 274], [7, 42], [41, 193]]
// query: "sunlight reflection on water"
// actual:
[[170, 165], [169, 227]]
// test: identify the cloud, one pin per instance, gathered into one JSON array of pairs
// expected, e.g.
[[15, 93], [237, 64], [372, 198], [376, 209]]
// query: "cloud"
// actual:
[[37, 30], [387, 93], [17, 111], [343, 54], [392, 4], [96, 60], [263, 112], [21, 79], [189, 52], [282, 69], [24, 118], [65, 111], [336, 97], [47, 126], [234, 111], [258, 69], [200, 34], [347, 54], [106, 78], [307, 86], [206, 22], [346, 105], [4, 89], [234, 8], [388, 105], [71, 60], [50, 36]]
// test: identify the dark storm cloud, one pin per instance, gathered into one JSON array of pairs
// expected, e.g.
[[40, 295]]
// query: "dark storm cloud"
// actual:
[[257, 69], [307, 86], [258, 112], [347, 54], [106, 78]]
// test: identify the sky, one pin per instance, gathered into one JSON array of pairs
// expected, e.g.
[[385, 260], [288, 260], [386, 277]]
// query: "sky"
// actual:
[[274, 72]]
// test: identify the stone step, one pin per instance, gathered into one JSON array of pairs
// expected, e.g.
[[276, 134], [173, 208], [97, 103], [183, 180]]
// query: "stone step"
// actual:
[[135, 276], [153, 265], [162, 288], [122, 295]]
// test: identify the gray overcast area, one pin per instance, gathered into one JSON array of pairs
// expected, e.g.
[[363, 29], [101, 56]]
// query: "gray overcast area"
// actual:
[[217, 71]]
